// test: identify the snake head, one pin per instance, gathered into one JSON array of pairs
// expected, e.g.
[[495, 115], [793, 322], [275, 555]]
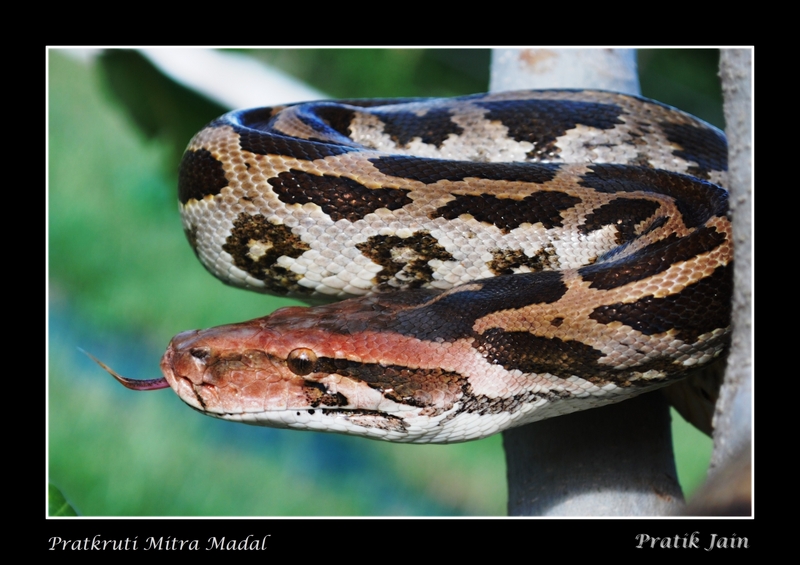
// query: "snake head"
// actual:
[[225, 371], [296, 368], [270, 371]]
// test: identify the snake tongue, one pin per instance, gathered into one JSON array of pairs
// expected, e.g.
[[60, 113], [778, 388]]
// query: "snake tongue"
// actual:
[[133, 384]]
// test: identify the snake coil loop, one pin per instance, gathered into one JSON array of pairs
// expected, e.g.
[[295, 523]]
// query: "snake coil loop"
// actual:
[[516, 256]]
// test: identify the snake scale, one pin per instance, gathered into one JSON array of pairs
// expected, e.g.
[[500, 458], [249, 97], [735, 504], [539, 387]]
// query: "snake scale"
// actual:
[[513, 256]]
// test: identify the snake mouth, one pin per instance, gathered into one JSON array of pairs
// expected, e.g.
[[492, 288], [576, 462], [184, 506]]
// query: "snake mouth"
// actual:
[[369, 423]]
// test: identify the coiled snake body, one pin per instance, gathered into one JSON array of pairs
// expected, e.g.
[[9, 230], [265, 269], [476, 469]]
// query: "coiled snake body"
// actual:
[[522, 255]]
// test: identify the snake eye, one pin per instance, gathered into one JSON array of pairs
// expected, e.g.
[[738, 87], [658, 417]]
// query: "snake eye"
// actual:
[[301, 361]]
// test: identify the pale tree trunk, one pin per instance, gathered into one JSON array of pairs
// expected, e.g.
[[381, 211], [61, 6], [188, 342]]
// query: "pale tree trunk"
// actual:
[[728, 489], [616, 460], [733, 416]]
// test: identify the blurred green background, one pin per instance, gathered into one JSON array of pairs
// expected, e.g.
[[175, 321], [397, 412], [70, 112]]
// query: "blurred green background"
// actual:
[[123, 281]]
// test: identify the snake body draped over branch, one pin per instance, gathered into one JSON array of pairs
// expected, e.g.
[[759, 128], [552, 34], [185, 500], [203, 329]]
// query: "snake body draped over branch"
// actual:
[[514, 256]]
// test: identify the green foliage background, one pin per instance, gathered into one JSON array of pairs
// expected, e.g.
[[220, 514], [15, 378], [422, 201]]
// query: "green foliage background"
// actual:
[[123, 281]]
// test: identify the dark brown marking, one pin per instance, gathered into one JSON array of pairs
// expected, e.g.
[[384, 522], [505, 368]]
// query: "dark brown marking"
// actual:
[[256, 244], [696, 200], [702, 145], [256, 135], [203, 409], [641, 160], [339, 197], [275, 144], [530, 353], [200, 175], [534, 354], [482, 404], [655, 224], [698, 309], [540, 122], [317, 395], [429, 171], [462, 306], [373, 419], [334, 116], [409, 255], [625, 214], [255, 118], [507, 262], [543, 207], [653, 259], [413, 387], [433, 128]]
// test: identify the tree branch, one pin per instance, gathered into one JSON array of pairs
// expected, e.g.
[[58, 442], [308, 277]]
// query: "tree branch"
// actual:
[[611, 461]]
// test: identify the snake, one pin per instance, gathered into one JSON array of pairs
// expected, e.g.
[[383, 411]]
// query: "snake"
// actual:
[[499, 259]]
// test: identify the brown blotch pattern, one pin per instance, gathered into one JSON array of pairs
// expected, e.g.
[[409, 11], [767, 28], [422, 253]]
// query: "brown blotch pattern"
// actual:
[[432, 128], [541, 122], [335, 116], [704, 146], [696, 200], [534, 354], [256, 244], [413, 387], [699, 308], [429, 171], [255, 118], [200, 175], [506, 261], [340, 198], [482, 404], [257, 135], [409, 255], [317, 394], [372, 419], [624, 214], [652, 259], [543, 207], [531, 353], [461, 307]]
